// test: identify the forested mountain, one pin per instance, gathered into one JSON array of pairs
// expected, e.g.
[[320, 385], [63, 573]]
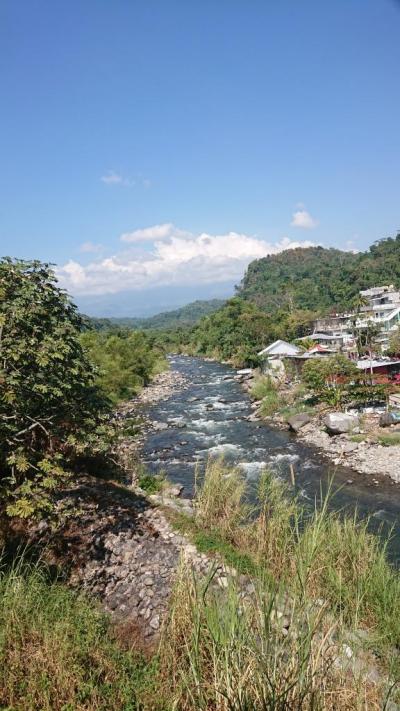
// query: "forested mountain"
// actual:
[[317, 279], [185, 316]]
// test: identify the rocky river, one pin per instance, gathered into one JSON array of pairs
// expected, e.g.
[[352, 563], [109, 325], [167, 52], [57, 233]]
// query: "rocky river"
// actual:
[[209, 414]]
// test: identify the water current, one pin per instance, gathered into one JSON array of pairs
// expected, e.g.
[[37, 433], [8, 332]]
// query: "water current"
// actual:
[[209, 419]]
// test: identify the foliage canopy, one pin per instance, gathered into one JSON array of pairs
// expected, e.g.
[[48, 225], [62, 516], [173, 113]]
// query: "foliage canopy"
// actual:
[[49, 404]]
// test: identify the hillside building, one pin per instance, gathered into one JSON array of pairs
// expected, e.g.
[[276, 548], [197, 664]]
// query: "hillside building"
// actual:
[[381, 308]]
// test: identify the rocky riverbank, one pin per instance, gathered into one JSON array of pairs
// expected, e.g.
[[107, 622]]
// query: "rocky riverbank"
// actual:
[[362, 451], [161, 388], [367, 449]]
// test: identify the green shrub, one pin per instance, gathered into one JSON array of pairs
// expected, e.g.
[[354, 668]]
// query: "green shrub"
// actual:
[[49, 404], [126, 361], [151, 483], [261, 387]]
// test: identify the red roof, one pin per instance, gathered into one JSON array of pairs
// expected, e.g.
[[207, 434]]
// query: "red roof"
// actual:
[[319, 349]]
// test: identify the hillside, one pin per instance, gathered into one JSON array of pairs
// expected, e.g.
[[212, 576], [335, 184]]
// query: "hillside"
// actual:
[[187, 315], [317, 279]]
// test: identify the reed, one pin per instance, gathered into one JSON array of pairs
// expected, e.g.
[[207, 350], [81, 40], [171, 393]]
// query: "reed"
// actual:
[[221, 651], [317, 556]]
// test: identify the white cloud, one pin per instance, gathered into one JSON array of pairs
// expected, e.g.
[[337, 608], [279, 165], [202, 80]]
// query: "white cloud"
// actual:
[[90, 248], [302, 218], [113, 178], [149, 234], [176, 258]]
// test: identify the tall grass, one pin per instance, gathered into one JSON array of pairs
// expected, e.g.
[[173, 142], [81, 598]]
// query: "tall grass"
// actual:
[[318, 557], [56, 651], [261, 387], [227, 652], [265, 390]]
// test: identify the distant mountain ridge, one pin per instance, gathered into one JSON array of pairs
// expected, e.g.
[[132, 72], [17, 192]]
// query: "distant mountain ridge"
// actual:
[[318, 278], [187, 315]]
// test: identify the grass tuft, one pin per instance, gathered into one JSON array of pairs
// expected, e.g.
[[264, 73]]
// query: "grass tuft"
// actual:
[[392, 439]]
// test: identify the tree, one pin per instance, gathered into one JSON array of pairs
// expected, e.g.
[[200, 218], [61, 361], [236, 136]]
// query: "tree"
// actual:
[[394, 343], [49, 405], [126, 360], [329, 377]]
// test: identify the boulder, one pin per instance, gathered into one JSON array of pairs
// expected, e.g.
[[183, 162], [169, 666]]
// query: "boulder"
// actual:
[[387, 419], [340, 423], [296, 422], [159, 426]]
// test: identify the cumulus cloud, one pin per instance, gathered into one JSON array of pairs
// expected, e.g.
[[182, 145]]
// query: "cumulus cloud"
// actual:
[[302, 218], [175, 258]]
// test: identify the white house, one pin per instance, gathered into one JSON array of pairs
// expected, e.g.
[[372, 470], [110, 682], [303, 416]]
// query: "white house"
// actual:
[[279, 349]]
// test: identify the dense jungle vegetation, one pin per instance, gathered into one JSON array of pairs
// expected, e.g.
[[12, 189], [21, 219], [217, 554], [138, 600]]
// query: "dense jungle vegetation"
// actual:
[[57, 385], [319, 279]]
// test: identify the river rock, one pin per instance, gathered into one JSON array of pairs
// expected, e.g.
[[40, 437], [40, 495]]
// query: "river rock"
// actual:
[[158, 426], [340, 422], [387, 419], [296, 422], [174, 490]]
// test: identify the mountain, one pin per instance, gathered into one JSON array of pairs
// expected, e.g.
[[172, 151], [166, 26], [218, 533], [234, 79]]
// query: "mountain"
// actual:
[[187, 315], [319, 279]]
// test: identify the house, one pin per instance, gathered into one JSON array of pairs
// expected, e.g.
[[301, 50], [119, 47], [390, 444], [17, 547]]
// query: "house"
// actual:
[[272, 355], [279, 349], [381, 366], [319, 350], [331, 338]]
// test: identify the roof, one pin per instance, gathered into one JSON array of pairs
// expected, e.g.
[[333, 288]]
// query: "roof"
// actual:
[[279, 348], [320, 349], [371, 363]]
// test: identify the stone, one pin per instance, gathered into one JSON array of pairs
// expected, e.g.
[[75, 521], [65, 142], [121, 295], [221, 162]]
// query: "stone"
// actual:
[[174, 490], [159, 426], [155, 622], [387, 419], [340, 422], [349, 447], [296, 422]]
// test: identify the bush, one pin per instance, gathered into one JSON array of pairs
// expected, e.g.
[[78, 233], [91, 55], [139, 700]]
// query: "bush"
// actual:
[[261, 387], [49, 404], [329, 377], [126, 361]]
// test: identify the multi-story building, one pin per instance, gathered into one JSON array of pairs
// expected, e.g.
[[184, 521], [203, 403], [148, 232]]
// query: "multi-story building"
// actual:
[[379, 306]]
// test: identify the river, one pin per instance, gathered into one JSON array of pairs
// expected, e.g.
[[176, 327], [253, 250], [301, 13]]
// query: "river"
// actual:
[[209, 419]]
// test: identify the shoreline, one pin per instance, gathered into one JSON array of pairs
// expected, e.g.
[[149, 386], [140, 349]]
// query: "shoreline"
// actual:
[[366, 456]]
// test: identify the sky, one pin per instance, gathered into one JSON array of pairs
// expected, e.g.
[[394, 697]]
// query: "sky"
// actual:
[[151, 149]]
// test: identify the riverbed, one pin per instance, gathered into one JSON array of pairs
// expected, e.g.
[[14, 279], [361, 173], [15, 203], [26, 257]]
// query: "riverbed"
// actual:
[[208, 418]]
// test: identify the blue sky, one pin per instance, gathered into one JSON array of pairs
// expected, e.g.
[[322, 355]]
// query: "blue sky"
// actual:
[[152, 148]]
